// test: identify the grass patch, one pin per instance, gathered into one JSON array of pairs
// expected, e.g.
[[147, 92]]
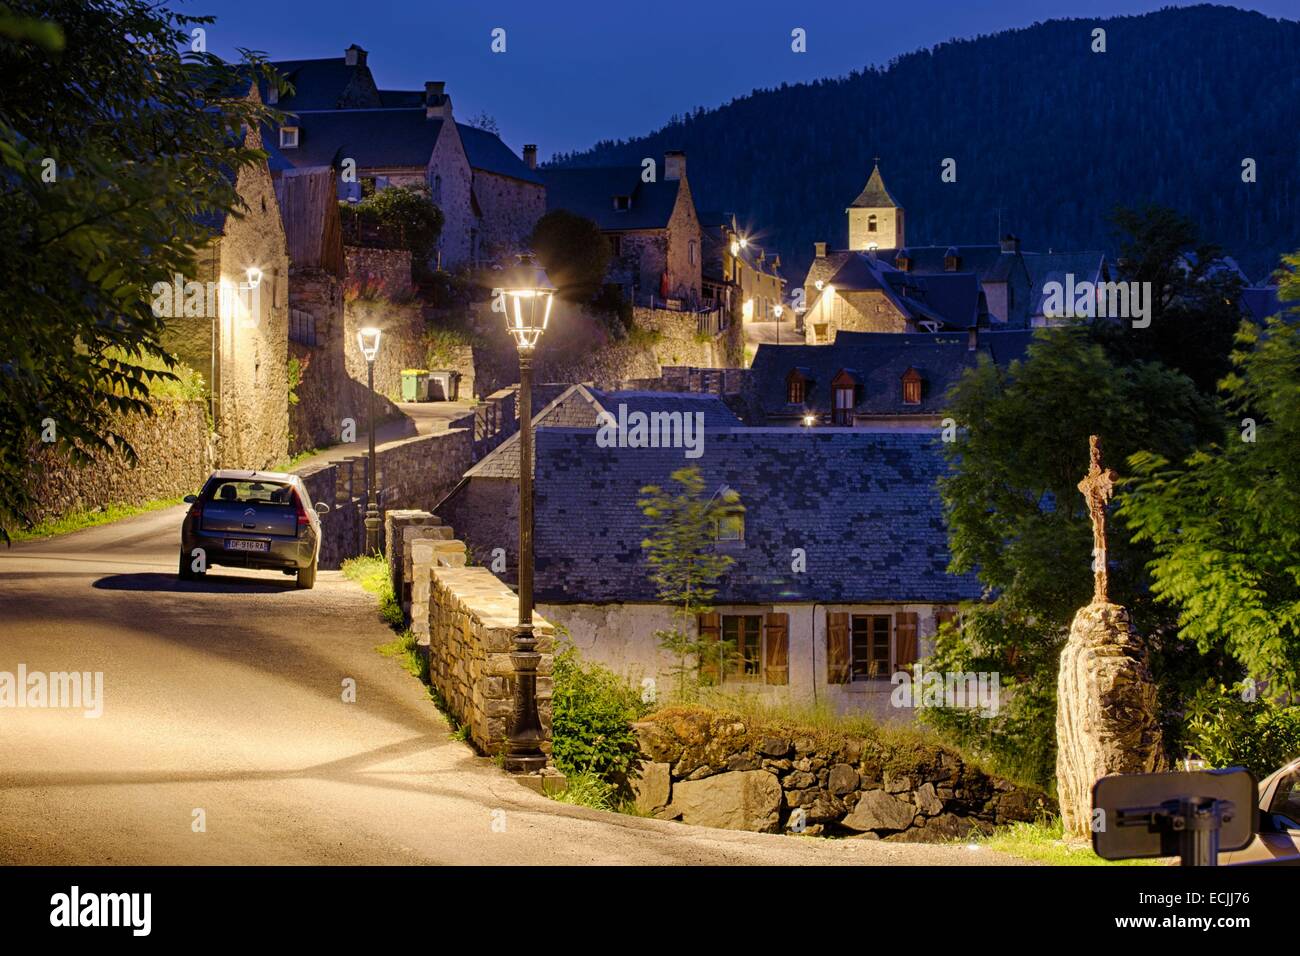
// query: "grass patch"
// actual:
[[1044, 842], [588, 789], [78, 520], [371, 572]]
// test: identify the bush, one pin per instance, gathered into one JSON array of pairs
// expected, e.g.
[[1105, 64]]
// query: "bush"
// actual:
[[1225, 730], [593, 710], [574, 253], [400, 217]]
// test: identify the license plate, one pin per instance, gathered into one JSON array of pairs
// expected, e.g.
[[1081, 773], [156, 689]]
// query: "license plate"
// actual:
[[240, 544]]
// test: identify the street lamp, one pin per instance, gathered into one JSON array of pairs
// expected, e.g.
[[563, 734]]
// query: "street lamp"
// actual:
[[529, 295], [368, 342]]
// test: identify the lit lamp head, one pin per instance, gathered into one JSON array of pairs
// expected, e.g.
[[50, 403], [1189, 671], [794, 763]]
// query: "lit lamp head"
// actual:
[[254, 277], [735, 247], [809, 420], [778, 310], [529, 294], [368, 342]]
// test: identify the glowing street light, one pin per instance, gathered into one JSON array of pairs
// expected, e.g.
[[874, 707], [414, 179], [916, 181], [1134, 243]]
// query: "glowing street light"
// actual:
[[529, 295]]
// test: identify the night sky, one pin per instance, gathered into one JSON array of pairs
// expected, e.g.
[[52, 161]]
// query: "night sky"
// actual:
[[577, 72]]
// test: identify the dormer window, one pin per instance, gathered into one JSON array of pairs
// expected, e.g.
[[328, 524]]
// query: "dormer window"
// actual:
[[951, 261], [911, 387], [730, 526], [844, 388], [288, 137], [796, 388], [903, 261], [622, 203]]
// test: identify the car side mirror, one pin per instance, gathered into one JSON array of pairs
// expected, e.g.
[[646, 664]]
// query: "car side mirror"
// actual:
[[190, 499], [322, 508]]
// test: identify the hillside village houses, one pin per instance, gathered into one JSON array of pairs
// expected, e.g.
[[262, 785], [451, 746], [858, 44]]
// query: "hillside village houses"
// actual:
[[738, 274]]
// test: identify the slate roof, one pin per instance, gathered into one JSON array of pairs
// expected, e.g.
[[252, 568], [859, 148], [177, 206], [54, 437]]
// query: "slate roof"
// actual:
[[874, 194], [871, 523], [1046, 267], [590, 192], [318, 84], [579, 405], [988, 262], [486, 152], [374, 138], [950, 298], [1261, 302]]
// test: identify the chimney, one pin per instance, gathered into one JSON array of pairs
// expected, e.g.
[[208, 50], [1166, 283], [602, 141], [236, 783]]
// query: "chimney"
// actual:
[[819, 250], [972, 338], [530, 155], [354, 56], [674, 164], [437, 104], [1010, 243]]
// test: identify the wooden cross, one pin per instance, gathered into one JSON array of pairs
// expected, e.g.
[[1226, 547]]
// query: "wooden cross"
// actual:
[[1097, 488]]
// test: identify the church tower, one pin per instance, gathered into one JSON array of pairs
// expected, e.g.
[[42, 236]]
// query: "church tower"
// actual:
[[875, 219]]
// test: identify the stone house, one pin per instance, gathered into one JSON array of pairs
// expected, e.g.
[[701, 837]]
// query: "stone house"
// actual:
[[238, 338], [653, 227], [490, 198], [870, 380], [1000, 268], [310, 211], [738, 275], [1065, 268], [839, 580], [484, 506]]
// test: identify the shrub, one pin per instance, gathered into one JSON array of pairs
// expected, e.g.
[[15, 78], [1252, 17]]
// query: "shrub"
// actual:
[[1224, 729], [593, 710], [400, 217], [574, 253]]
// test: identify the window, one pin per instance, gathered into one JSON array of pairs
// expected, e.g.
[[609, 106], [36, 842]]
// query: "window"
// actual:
[[622, 203], [288, 137], [730, 526], [871, 223], [745, 634], [843, 405], [302, 327], [616, 243], [911, 387], [795, 389], [690, 250], [437, 188], [869, 647]]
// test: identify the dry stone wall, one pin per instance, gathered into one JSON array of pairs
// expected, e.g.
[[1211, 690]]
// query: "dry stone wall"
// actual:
[[714, 769], [172, 447]]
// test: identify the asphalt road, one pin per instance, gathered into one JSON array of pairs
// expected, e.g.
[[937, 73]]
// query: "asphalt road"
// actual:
[[225, 696]]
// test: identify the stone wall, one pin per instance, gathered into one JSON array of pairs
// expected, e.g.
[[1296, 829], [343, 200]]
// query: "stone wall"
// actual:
[[472, 619], [401, 346], [389, 270], [511, 208], [412, 474], [172, 446], [715, 769], [316, 421]]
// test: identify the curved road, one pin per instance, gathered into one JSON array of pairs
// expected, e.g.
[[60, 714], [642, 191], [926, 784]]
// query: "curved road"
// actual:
[[225, 696]]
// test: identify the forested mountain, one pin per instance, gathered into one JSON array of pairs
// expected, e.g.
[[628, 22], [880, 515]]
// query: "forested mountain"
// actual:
[[1043, 130]]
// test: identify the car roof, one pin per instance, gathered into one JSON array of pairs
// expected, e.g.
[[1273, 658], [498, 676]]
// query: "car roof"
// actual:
[[229, 473]]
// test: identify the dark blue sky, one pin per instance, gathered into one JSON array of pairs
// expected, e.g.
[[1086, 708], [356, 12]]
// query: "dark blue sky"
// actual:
[[575, 72]]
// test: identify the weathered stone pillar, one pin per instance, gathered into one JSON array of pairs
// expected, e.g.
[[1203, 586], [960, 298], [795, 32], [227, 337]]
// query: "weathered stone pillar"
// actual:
[[1106, 716]]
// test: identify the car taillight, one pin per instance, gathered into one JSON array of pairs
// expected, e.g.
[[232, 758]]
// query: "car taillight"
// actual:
[[196, 511], [303, 520]]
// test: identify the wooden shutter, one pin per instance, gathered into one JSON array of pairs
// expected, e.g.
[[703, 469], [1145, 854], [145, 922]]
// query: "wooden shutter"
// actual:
[[943, 617], [776, 640], [710, 626], [905, 639], [837, 648]]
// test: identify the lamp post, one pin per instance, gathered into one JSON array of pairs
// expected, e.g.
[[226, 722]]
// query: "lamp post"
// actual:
[[528, 298], [368, 341]]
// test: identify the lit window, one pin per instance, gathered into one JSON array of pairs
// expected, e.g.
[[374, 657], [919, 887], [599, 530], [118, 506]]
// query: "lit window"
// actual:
[[795, 389], [911, 387], [843, 405]]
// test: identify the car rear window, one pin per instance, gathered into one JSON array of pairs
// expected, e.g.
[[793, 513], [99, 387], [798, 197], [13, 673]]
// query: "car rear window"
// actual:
[[252, 493]]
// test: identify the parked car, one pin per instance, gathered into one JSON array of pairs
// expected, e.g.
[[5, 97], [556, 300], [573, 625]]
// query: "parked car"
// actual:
[[1279, 819], [252, 519]]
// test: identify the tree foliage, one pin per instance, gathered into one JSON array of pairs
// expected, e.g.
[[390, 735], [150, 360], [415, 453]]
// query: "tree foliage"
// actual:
[[1225, 521], [686, 565], [400, 217], [1017, 519], [115, 145], [574, 253]]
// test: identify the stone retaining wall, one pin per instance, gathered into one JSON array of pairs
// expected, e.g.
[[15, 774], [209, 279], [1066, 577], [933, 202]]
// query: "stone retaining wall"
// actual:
[[471, 624], [713, 769], [173, 451]]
